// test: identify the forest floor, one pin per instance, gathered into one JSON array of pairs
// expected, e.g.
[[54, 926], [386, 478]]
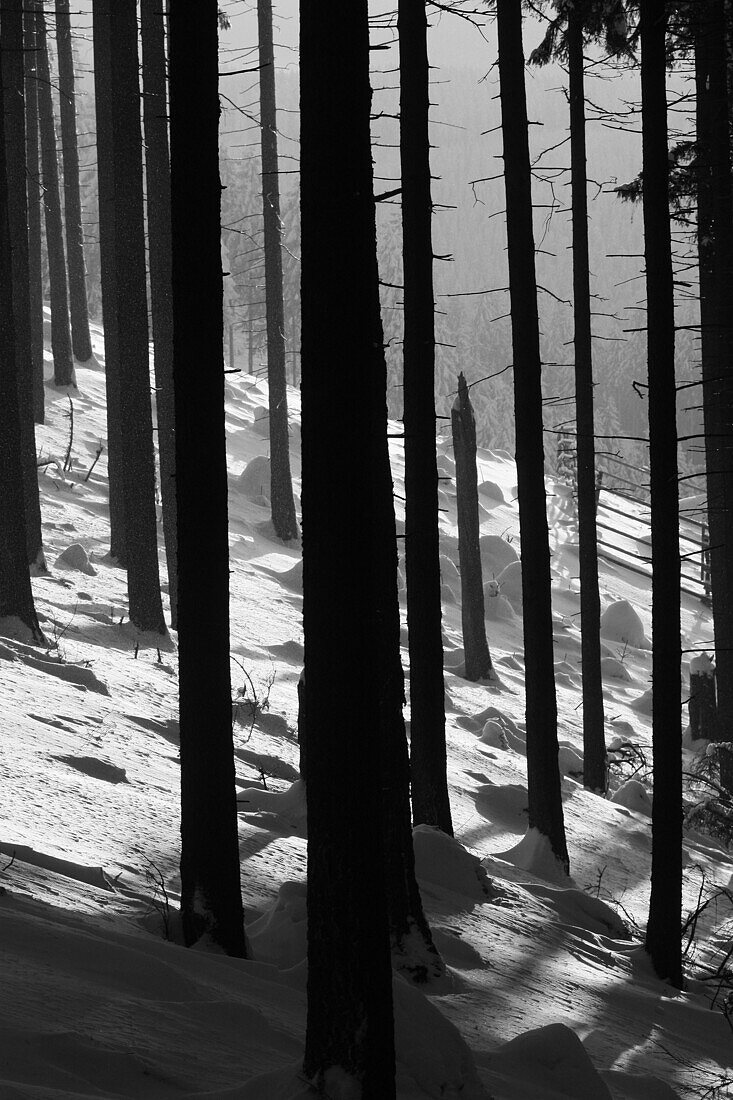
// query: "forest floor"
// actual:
[[549, 992]]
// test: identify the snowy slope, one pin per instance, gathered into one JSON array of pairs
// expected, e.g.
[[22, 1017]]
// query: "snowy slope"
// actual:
[[549, 993]]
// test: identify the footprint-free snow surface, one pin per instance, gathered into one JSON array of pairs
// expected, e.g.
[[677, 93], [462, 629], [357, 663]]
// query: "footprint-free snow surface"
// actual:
[[549, 993]]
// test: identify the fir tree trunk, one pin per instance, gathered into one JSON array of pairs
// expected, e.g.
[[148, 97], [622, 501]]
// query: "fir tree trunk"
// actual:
[[473, 612], [63, 359], [16, 595], [349, 1015], [211, 901], [11, 36], [281, 486], [138, 458], [108, 272], [33, 178], [543, 776], [430, 801], [594, 741], [157, 169], [80, 337], [663, 941]]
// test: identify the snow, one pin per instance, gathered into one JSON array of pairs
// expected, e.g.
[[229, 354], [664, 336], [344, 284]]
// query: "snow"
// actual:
[[546, 995]]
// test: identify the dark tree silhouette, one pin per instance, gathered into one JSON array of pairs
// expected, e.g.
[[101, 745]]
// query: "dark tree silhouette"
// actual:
[[543, 776], [63, 359], [80, 337], [475, 645], [138, 458], [430, 801], [35, 263], [663, 941], [211, 902], [349, 1016], [11, 37], [157, 171], [281, 485]]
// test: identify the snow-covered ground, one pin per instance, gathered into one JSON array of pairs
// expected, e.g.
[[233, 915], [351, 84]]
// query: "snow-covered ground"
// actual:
[[549, 992]]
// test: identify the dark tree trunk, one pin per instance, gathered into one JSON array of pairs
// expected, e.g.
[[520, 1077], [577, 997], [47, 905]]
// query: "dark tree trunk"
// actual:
[[211, 901], [11, 36], [108, 271], [349, 1016], [157, 169], [543, 776], [430, 801], [663, 940], [473, 621], [35, 263], [594, 740], [281, 485], [63, 359], [138, 458], [715, 251], [80, 337], [16, 595], [702, 704]]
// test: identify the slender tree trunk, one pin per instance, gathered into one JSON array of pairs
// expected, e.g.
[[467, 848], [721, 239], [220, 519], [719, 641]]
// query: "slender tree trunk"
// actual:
[[543, 776], [35, 265], [715, 248], [16, 595], [430, 802], [108, 272], [281, 485], [11, 36], [594, 741], [473, 613], [349, 1030], [663, 941], [157, 168], [138, 459], [63, 359], [211, 901], [80, 337]]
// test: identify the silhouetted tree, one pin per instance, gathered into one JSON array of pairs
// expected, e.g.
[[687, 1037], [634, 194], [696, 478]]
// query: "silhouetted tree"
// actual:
[[211, 902], [35, 261]]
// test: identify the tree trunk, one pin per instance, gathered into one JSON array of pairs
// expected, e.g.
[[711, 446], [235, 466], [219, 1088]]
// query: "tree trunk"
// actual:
[[16, 595], [349, 1029], [543, 776], [702, 704], [35, 264], [473, 620], [211, 901], [594, 740], [63, 359], [281, 485], [663, 941], [138, 457], [80, 337], [108, 273], [430, 801], [157, 169], [11, 36]]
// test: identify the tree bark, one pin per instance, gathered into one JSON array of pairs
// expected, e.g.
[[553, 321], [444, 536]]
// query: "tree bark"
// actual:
[[11, 33], [157, 169], [35, 264], [473, 612], [430, 801], [594, 740], [349, 1030], [211, 901], [281, 485], [663, 941], [80, 337], [543, 776], [63, 359]]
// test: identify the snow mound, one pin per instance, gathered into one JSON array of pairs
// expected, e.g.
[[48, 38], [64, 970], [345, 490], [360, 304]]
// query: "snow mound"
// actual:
[[504, 804], [498, 733], [254, 481], [497, 607], [446, 466], [510, 584], [279, 808], [496, 554], [448, 569], [75, 557], [492, 493], [642, 704], [551, 1060], [613, 669], [441, 861], [534, 854], [634, 796], [570, 761], [279, 935], [580, 910], [620, 623], [293, 578]]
